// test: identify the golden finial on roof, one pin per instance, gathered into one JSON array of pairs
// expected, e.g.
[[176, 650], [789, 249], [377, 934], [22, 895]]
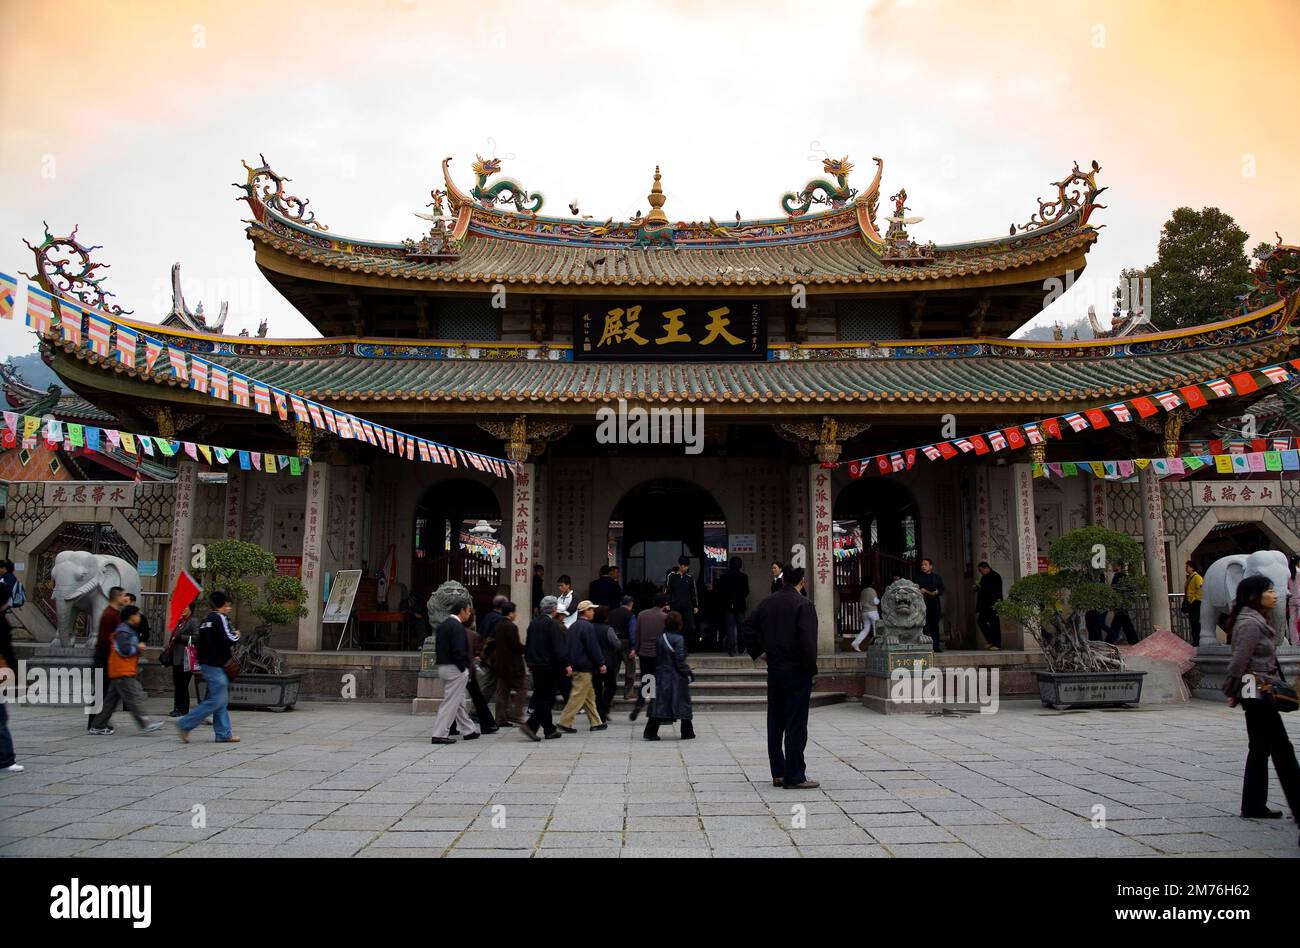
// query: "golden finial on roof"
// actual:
[[656, 199]]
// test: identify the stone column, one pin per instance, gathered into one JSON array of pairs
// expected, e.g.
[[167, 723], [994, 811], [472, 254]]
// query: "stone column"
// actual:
[[187, 475], [1022, 503], [232, 527], [521, 543], [820, 574], [1153, 543], [313, 536]]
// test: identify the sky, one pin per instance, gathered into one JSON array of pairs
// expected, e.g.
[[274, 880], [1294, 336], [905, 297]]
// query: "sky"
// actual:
[[130, 119]]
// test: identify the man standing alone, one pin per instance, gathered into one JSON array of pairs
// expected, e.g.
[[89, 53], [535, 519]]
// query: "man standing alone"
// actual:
[[783, 632], [932, 589], [451, 652], [988, 593], [683, 598]]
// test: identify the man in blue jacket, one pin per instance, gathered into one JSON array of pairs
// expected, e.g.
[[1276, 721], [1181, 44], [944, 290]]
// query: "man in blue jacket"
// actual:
[[585, 657]]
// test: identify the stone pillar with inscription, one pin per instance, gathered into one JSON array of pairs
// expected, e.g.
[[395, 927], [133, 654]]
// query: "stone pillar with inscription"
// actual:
[[820, 574], [521, 544], [187, 475], [234, 514], [315, 524], [1026, 533], [1153, 548]]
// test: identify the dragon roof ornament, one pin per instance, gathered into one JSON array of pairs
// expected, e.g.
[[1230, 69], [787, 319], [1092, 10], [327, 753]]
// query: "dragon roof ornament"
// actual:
[[291, 208], [504, 191], [72, 276], [1077, 191]]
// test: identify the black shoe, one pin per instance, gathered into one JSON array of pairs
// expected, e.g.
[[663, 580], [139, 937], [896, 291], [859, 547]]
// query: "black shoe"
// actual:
[[651, 737], [442, 740], [471, 737], [529, 733], [174, 713], [553, 735], [490, 730], [1265, 814], [635, 711], [567, 730], [600, 727]]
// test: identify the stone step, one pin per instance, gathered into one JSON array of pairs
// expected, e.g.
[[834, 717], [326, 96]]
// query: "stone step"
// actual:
[[730, 702]]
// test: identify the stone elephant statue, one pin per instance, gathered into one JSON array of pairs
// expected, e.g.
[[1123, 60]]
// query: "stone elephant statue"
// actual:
[[81, 584], [1220, 588]]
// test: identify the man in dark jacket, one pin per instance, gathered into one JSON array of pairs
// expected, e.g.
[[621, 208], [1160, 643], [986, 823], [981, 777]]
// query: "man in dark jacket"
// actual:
[[454, 660], [586, 659], [623, 620], [683, 597], [547, 657], [988, 595], [108, 622], [645, 642], [733, 588], [931, 584], [783, 631], [606, 590]]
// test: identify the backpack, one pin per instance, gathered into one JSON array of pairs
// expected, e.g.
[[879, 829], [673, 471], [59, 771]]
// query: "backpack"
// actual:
[[19, 598]]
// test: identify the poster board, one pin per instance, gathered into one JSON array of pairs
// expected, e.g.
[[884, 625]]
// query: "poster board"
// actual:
[[339, 605]]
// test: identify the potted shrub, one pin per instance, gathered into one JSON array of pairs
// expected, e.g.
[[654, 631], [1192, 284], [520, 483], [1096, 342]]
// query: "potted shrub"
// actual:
[[264, 681], [1052, 607]]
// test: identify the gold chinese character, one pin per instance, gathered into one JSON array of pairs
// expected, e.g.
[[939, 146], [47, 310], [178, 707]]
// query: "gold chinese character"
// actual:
[[673, 328], [717, 328], [615, 331]]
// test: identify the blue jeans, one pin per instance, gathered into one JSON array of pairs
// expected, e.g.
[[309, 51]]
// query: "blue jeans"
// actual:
[[6, 741], [214, 704]]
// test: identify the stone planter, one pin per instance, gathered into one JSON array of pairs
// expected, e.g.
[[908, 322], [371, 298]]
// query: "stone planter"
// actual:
[[1064, 690], [265, 691]]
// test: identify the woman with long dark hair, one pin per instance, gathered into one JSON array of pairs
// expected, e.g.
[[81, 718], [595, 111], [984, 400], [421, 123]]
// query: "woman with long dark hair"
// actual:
[[1252, 670]]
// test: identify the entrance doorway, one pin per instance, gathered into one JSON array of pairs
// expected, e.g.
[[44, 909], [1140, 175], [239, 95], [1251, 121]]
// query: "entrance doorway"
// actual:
[[877, 532], [457, 535], [655, 523]]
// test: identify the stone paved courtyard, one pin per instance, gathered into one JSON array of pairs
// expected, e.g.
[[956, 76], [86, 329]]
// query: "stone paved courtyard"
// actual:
[[363, 780]]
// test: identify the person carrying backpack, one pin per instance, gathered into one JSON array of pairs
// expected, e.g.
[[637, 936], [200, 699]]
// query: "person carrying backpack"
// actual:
[[122, 670]]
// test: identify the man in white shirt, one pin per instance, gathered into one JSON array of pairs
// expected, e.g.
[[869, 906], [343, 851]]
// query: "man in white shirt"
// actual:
[[565, 597]]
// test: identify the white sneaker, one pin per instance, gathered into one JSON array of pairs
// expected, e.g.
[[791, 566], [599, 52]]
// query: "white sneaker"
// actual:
[[13, 769], [150, 728], [101, 731]]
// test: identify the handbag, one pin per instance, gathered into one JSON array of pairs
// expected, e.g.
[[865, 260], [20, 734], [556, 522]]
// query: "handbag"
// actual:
[[192, 660], [168, 656], [1282, 695], [232, 668]]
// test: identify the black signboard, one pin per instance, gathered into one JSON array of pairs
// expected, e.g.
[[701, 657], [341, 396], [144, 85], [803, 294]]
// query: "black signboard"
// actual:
[[694, 330]]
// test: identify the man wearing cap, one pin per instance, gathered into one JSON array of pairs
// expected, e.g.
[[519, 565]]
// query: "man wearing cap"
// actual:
[[585, 657], [548, 661]]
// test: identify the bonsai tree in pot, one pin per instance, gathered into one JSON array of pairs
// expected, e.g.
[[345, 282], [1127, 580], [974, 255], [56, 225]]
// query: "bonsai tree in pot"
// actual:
[[1052, 605], [234, 566], [283, 600]]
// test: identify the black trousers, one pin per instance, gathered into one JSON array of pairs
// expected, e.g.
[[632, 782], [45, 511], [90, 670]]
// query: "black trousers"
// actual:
[[181, 688], [990, 626], [932, 629], [486, 720], [652, 726], [605, 685], [1095, 622], [1194, 622], [647, 668], [1268, 738], [788, 696], [543, 695], [1123, 623]]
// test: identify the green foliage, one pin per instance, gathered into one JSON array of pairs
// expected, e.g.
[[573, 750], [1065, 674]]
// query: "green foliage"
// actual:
[[1080, 560], [283, 600], [1200, 270], [232, 565]]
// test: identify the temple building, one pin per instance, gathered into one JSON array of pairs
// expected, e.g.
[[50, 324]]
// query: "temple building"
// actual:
[[668, 388]]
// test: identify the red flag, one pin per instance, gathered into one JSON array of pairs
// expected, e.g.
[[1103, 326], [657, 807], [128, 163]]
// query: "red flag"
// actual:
[[1015, 438], [946, 449], [882, 462], [981, 446], [1216, 446], [855, 469], [910, 454], [1193, 395], [1243, 382], [1146, 408], [1053, 427], [184, 592], [1259, 444], [1097, 418]]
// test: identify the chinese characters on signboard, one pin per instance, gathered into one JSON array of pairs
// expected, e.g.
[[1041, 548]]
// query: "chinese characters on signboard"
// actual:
[[1236, 494], [716, 331], [89, 494]]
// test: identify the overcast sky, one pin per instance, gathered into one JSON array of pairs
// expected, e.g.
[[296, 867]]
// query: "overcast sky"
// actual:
[[131, 118]]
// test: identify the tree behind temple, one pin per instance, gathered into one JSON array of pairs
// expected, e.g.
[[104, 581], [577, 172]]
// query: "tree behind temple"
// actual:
[[1200, 269]]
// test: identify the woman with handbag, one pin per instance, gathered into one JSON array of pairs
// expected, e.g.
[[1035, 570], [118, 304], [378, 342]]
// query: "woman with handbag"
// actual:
[[219, 666], [673, 676], [181, 654], [1254, 681]]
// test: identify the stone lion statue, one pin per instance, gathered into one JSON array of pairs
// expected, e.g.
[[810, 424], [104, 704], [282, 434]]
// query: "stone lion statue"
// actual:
[[902, 616], [441, 602]]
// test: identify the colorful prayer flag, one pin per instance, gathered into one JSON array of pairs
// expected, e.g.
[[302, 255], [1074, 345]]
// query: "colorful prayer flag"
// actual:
[[8, 295], [1097, 418], [1076, 421], [1244, 383], [152, 350], [262, 398], [1168, 401], [199, 374], [239, 393], [70, 322], [39, 311], [176, 357], [126, 344], [1121, 412], [100, 330], [220, 382]]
